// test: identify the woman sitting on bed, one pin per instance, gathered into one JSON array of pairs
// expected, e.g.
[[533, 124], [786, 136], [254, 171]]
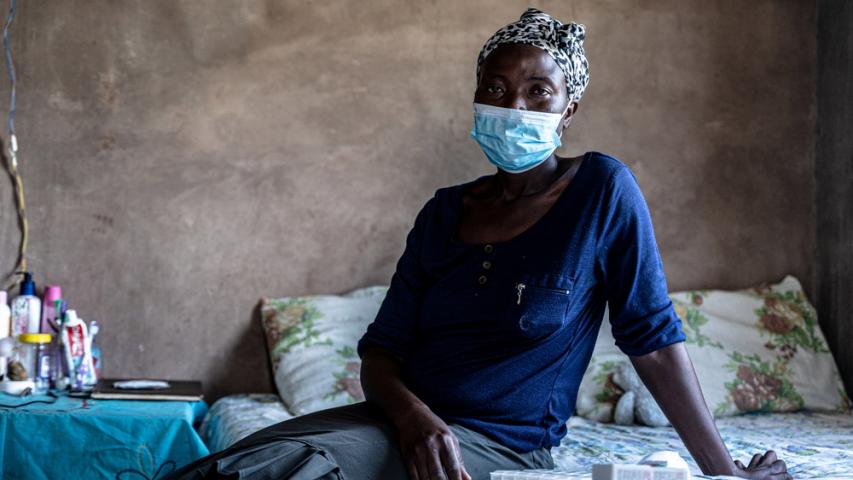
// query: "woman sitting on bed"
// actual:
[[474, 360]]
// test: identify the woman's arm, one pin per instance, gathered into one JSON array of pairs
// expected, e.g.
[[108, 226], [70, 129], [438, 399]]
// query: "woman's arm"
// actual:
[[429, 448], [668, 374], [647, 329], [382, 385]]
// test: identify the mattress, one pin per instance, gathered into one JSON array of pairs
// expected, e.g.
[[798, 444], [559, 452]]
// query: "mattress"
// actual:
[[814, 445], [235, 417]]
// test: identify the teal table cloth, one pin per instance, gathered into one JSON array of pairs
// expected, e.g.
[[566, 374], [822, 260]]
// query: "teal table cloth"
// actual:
[[93, 439]]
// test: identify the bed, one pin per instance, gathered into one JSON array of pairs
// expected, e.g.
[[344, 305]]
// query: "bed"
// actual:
[[814, 445], [758, 349]]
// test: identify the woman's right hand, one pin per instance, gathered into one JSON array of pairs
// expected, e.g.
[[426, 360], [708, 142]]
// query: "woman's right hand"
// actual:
[[763, 467], [430, 450]]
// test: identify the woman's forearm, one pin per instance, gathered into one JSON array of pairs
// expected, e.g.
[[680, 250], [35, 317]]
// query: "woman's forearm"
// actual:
[[668, 374], [383, 386]]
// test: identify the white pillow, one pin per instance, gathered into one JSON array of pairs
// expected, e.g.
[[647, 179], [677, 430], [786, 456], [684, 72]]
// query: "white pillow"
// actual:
[[312, 343], [758, 349]]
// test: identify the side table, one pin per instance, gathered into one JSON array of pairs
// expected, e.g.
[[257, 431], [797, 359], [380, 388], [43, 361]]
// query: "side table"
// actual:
[[90, 439]]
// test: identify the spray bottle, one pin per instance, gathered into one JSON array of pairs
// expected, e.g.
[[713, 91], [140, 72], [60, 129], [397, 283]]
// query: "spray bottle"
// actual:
[[59, 370], [49, 315], [97, 362]]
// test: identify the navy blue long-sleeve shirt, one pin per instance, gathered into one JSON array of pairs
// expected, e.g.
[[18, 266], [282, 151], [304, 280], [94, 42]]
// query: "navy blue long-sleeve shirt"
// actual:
[[496, 337]]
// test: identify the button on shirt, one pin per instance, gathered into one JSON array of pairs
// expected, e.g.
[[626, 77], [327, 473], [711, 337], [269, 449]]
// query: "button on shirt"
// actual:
[[496, 337]]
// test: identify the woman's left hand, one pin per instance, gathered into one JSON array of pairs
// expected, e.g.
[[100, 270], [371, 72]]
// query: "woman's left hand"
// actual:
[[765, 466]]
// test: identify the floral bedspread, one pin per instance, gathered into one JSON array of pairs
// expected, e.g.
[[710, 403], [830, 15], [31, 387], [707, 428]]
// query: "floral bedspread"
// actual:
[[814, 445], [235, 417]]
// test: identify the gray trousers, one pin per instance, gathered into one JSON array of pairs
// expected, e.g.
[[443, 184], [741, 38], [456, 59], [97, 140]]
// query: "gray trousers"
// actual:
[[353, 442]]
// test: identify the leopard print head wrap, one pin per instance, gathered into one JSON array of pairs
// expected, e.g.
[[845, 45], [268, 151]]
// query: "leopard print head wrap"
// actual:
[[563, 42]]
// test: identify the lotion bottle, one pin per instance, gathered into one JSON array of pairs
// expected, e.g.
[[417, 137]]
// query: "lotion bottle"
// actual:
[[5, 326], [26, 308], [5, 315]]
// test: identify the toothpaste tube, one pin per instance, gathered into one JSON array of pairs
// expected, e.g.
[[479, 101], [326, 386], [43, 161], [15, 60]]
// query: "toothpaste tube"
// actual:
[[77, 345]]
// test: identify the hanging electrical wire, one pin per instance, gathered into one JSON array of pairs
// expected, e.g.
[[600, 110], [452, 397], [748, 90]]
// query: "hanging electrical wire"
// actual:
[[12, 164]]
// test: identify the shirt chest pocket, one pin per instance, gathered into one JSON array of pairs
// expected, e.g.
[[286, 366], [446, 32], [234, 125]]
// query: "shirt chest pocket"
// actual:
[[539, 304]]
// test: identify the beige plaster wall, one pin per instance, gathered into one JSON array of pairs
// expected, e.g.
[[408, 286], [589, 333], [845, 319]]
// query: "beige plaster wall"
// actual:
[[184, 158]]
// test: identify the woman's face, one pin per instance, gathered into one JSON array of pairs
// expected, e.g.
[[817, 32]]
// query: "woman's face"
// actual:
[[523, 77]]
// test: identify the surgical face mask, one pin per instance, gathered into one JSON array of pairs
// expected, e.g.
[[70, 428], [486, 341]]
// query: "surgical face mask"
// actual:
[[515, 140]]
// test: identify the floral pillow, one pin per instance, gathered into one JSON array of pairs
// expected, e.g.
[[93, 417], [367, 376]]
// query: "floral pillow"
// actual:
[[312, 342], [759, 349], [598, 393]]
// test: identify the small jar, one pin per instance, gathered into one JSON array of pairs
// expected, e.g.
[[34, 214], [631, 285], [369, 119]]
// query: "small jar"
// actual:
[[35, 356]]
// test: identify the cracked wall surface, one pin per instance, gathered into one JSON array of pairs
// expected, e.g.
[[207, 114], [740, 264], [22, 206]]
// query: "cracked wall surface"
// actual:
[[183, 159]]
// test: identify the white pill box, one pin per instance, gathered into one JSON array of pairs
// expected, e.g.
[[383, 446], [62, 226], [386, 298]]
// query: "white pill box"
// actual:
[[614, 471], [537, 474], [603, 472]]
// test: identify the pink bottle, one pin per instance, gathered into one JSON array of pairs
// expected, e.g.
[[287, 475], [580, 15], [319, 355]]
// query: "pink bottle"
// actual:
[[52, 293]]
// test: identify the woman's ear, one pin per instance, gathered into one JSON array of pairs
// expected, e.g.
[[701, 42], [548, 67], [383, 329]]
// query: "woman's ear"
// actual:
[[570, 112], [567, 117]]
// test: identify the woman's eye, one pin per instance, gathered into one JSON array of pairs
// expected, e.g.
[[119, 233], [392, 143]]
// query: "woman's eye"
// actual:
[[494, 89], [539, 91]]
